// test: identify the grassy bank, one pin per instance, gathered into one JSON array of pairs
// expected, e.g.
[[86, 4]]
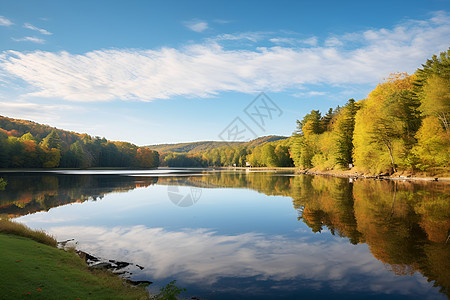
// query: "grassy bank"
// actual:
[[38, 269], [14, 228]]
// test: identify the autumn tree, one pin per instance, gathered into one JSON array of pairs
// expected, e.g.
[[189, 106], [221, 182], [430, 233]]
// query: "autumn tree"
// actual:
[[385, 125], [147, 158], [436, 99], [30, 151], [433, 144]]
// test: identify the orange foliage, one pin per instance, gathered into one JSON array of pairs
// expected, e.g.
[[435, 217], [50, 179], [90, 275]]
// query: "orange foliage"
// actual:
[[30, 146], [12, 132], [146, 158]]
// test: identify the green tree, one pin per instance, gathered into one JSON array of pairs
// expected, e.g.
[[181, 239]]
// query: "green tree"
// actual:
[[28, 137], [51, 141], [432, 87], [76, 157], [283, 156], [314, 123], [327, 120], [51, 158], [15, 148], [51, 150], [303, 150], [4, 151], [269, 158], [343, 130]]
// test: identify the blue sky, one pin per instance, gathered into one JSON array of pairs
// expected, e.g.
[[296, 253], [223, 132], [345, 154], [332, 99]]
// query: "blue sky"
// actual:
[[171, 71]]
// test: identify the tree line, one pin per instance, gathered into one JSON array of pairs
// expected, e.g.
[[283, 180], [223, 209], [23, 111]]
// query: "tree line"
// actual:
[[271, 154], [70, 151]]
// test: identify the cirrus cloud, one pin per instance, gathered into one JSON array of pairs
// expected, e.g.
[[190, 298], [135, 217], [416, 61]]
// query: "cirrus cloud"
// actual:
[[32, 39], [40, 30], [206, 69], [5, 22]]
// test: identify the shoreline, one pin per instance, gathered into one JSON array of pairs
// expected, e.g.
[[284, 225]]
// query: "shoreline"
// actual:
[[343, 174], [405, 176]]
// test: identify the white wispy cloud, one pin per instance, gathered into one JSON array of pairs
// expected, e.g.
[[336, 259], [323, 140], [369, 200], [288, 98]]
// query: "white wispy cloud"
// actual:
[[203, 70], [310, 94], [32, 27], [250, 36], [333, 41], [5, 22], [312, 41], [29, 39], [284, 40], [196, 25]]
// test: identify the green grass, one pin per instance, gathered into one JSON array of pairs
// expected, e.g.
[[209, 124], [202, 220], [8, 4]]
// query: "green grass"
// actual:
[[29, 269], [11, 227]]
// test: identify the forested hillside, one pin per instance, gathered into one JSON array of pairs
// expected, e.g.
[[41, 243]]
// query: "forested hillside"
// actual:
[[227, 154], [26, 144], [196, 147]]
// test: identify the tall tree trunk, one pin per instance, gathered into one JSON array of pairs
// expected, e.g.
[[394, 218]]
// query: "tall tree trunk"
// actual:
[[443, 119], [392, 157]]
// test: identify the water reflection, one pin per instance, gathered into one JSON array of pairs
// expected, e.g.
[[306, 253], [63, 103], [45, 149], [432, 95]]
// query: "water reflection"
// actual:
[[28, 193], [404, 225], [252, 259]]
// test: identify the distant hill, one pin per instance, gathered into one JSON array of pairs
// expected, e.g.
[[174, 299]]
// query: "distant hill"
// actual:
[[264, 139], [196, 147], [193, 147]]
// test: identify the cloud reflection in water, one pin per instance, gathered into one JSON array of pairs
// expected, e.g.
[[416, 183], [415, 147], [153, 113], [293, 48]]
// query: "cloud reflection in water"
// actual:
[[203, 257]]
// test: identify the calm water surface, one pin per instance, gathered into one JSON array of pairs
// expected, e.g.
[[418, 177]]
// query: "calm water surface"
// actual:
[[257, 235]]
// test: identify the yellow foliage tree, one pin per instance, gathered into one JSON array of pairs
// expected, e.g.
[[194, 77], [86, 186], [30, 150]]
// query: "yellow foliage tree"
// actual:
[[436, 98], [433, 144], [382, 125]]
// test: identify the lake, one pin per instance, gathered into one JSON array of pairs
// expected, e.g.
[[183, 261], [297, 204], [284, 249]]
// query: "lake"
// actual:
[[249, 235]]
